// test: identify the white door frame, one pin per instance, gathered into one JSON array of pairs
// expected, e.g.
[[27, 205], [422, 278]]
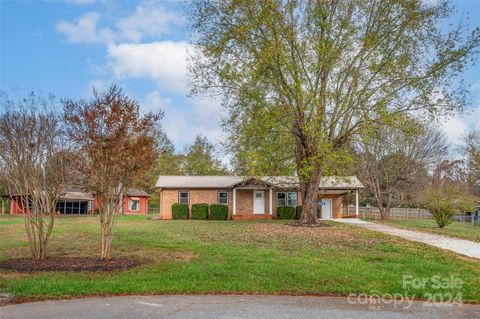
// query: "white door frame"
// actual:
[[262, 210]]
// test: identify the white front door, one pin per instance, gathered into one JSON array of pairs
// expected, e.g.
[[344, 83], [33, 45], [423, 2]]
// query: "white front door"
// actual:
[[259, 202], [326, 208]]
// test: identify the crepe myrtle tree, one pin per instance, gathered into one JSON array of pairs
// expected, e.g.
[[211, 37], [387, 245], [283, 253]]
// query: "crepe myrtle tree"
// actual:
[[33, 163], [116, 143], [323, 72]]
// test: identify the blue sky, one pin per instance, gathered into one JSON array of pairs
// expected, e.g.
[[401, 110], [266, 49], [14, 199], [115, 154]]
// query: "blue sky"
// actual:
[[66, 47]]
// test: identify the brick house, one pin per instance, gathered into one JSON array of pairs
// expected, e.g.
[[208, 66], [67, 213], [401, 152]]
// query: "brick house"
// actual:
[[250, 197], [76, 202]]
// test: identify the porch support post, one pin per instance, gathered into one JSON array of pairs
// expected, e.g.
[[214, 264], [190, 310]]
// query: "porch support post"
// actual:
[[160, 197], [270, 201], [356, 203], [234, 210]]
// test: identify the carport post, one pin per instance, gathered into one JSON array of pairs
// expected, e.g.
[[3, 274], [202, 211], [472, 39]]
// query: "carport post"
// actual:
[[356, 203], [159, 203], [270, 200], [234, 210]]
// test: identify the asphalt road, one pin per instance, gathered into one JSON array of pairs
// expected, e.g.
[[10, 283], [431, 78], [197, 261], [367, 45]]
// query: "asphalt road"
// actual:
[[212, 307]]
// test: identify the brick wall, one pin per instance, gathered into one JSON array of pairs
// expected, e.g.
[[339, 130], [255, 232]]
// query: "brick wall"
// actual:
[[143, 205], [244, 207], [337, 206], [244, 202], [168, 197]]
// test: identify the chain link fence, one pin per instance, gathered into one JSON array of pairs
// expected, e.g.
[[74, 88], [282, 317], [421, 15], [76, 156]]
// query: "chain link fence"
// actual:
[[153, 210]]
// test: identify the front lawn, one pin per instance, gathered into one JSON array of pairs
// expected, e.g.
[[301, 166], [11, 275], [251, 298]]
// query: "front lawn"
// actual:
[[456, 229], [234, 257]]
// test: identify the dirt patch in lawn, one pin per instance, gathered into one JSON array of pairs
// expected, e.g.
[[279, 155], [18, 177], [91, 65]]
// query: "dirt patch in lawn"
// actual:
[[68, 264], [336, 236], [298, 224]]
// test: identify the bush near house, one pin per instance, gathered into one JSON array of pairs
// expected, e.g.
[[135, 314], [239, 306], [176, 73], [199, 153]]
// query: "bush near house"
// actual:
[[298, 212], [180, 211], [200, 211], [286, 212], [218, 212]]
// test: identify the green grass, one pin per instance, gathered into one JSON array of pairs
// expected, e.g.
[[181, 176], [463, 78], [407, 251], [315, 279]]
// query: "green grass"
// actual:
[[233, 257], [456, 229]]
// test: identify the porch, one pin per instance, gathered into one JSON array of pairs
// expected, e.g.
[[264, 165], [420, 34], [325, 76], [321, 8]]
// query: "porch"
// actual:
[[252, 200]]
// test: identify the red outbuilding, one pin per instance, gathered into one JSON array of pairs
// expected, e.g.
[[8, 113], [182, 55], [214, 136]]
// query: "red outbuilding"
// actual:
[[76, 202]]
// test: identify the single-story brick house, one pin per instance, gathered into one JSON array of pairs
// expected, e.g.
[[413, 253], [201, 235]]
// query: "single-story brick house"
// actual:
[[251, 197], [75, 202]]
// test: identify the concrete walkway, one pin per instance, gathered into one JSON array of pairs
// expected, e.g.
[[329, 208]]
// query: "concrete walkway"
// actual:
[[459, 246], [231, 307]]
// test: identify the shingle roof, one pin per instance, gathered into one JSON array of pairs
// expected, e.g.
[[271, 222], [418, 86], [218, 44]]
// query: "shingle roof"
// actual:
[[135, 192], [176, 181], [327, 182], [76, 195]]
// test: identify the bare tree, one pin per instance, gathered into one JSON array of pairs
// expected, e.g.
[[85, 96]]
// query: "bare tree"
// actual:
[[32, 163], [116, 143], [391, 159]]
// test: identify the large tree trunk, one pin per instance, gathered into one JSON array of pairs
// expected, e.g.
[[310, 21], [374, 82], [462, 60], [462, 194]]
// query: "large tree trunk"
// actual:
[[309, 196], [388, 206], [384, 211]]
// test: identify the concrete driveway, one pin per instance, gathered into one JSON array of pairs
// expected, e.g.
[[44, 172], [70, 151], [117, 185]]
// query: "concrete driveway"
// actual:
[[211, 307], [459, 246]]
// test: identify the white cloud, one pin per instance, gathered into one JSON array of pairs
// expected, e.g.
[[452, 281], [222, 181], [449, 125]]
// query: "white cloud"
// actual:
[[182, 124], [164, 62], [454, 129], [85, 29], [456, 126], [148, 20]]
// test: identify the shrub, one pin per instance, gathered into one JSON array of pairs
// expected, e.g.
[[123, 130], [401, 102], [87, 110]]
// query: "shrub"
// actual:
[[298, 212], [199, 211], [286, 212], [218, 212], [180, 211], [444, 203]]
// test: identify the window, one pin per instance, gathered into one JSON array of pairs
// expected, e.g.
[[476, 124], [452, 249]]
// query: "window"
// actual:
[[223, 198], [292, 199], [281, 199], [287, 199], [134, 204], [183, 197]]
